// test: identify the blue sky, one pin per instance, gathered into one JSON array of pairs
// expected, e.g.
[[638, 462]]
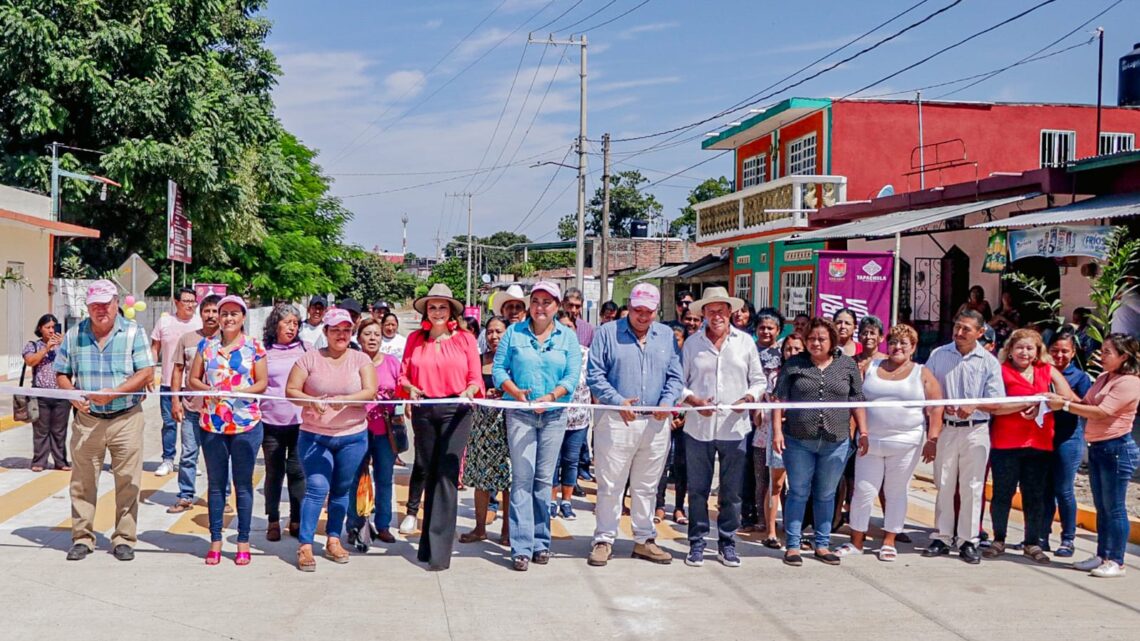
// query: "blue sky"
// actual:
[[369, 85]]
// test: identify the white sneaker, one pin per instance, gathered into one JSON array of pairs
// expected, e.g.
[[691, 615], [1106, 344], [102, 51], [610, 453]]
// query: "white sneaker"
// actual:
[[1108, 570], [408, 525], [165, 468], [1089, 564]]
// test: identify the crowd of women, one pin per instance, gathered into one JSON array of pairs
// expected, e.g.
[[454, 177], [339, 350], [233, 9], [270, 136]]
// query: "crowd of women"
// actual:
[[823, 464]]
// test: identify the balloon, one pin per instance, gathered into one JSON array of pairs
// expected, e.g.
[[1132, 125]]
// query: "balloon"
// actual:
[[129, 301], [129, 313], [140, 306], [165, 314]]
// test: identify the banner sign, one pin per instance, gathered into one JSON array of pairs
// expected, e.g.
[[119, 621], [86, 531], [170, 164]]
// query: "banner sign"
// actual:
[[1057, 242], [861, 281], [178, 235], [997, 255], [202, 290]]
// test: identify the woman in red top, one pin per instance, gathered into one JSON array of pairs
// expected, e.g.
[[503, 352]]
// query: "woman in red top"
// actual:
[[440, 361], [1021, 439]]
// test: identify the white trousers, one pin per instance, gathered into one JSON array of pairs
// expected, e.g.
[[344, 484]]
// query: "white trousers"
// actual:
[[960, 463], [888, 465], [637, 452]]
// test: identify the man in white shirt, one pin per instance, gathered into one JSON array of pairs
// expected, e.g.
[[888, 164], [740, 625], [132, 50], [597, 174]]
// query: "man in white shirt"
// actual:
[[722, 366], [311, 330], [164, 346]]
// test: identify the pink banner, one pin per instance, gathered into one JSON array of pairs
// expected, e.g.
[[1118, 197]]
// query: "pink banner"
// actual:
[[861, 281]]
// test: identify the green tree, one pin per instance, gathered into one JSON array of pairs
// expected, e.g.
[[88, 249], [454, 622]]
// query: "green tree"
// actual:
[[166, 89], [491, 261], [374, 278], [685, 225], [451, 272], [627, 203]]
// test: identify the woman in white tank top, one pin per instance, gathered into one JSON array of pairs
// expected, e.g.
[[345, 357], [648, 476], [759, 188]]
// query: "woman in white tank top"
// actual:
[[894, 440]]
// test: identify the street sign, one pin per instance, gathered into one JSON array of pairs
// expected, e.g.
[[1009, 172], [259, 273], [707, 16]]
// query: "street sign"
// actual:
[[135, 276], [202, 290], [178, 228]]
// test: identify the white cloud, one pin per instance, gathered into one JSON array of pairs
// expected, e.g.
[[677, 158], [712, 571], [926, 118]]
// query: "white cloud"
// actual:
[[633, 84], [403, 85], [433, 24], [647, 28]]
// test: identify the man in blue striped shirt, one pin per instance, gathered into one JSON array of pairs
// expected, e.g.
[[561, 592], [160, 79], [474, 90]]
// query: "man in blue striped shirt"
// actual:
[[107, 356], [633, 362]]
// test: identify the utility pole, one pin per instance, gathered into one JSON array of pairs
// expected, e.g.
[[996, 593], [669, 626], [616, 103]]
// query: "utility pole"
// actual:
[[468, 196], [404, 219], [1099, 83], [580, 262], [605, 275]]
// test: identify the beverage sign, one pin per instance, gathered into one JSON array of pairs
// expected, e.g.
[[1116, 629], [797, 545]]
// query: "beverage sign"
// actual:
[[1057, 242], [178, 232], [861, 281]]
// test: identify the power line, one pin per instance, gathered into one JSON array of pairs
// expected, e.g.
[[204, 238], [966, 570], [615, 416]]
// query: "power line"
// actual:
[[424, 184], [518, 117], [502, 112], [617, 17], [694, 166], [558, 17], [575, 24], [442, 172], [553, 175]]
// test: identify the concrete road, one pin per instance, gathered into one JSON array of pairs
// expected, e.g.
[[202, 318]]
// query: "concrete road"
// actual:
[[168, 593]]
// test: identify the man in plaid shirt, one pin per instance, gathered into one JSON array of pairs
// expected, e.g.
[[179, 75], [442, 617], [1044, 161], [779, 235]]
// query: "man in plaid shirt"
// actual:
[[107, 356]]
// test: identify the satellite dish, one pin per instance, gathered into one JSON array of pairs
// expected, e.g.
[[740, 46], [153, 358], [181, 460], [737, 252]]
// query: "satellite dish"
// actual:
[[887, 190], [486, 279]]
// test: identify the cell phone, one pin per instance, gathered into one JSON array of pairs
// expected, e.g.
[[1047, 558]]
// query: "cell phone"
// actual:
[[58, 328]]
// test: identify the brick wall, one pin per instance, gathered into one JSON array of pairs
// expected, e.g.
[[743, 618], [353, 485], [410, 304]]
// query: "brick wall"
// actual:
[[644, 254]]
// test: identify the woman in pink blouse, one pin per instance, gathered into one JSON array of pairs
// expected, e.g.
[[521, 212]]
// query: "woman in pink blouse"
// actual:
[[328, 384], [440, 361]]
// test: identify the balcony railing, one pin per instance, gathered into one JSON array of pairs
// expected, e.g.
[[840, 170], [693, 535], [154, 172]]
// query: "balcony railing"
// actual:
[[783, 203]]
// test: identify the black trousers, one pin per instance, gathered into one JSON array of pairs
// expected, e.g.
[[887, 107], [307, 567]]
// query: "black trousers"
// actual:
[[49, 432], [1029, 469], [677, 470], [441, 433], [419, 474], [279, 446]]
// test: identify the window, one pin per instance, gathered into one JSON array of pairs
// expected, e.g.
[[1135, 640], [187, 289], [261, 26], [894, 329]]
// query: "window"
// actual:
[[796, 293], [754, 171], [801, 156], [1058, 147], [1111, 143], [743, 286]]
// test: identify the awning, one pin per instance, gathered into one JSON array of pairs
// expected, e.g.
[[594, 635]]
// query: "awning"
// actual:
[[706, 264], [55, 228], [666, 271], [1113, 206], [902, 221]]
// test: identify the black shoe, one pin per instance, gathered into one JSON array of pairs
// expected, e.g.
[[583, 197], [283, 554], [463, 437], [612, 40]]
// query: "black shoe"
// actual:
[[521, 563], [78, 552], [542, 557], [903, 537], [124, 552], [969, 554], [936, 548], [579, 492]]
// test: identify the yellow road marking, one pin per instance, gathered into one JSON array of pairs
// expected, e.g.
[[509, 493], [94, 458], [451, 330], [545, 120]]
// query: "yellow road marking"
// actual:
[[32, 492], [105, 507]]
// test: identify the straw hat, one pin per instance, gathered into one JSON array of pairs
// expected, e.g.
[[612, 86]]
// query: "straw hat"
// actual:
[[441, 291], [715, 295], [514, 292]]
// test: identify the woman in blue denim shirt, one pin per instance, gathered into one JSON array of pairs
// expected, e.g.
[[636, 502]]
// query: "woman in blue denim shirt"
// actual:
[[537, 361], [1068, 445]]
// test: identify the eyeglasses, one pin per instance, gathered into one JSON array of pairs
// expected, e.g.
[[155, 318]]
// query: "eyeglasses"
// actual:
[[541, 348]]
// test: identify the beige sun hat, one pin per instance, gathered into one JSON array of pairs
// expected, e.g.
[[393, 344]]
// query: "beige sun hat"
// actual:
[[715, 295], [512, 293], [441, 291]]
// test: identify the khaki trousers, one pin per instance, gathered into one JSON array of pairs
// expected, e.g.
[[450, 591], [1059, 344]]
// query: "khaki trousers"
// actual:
[[91, 439]]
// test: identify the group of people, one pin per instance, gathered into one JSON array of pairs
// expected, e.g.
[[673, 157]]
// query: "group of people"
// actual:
[[332, 414]]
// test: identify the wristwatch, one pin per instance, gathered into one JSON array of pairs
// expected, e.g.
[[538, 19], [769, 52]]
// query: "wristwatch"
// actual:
[[1065, 407]]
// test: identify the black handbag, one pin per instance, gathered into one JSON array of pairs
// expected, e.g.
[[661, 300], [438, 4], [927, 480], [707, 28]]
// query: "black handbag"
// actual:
[[398, 434], [25, 409]]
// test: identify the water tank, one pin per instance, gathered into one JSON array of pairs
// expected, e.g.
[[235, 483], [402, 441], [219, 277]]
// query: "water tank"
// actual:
[[1128, 87], [639, 228]]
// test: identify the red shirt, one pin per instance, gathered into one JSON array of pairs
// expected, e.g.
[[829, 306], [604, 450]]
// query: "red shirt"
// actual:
[[441, 369], [1013, 431]]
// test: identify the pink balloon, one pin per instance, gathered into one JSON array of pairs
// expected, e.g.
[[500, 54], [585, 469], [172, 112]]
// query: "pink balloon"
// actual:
[[129, 301]]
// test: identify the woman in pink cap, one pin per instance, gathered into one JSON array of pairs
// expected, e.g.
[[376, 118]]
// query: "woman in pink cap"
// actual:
[[232, 362], [330, 384]]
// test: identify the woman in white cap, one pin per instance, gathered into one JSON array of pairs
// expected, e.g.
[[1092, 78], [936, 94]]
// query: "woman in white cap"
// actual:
[[230, 361], [440, 362], [537, 361], [329, 385]]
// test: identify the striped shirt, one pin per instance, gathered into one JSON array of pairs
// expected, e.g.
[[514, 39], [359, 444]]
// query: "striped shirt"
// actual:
[[93, 368], [975, 375]]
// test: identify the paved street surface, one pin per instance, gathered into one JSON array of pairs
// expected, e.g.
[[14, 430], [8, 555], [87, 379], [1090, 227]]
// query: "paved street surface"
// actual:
[[168, 593]]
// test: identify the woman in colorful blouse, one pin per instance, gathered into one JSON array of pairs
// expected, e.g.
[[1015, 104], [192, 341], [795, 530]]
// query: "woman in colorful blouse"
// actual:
[[569, 457], [282, 421], [49, 431], [381, 448], [230, 361], [326, 383], [440, 361]]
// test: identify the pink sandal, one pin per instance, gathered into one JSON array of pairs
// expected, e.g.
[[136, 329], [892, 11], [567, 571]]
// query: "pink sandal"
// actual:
[[213, 557], [242, 558]]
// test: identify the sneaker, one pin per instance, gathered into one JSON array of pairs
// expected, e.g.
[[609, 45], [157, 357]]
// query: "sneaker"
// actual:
[[696, 556], [408, 525], [166, 467], [1089, 564], [566, 511], [650, 551], [727, 556], [601, 553], [1065, 550], [1108, 570]]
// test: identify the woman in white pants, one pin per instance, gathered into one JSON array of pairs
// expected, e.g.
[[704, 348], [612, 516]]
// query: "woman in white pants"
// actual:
[[895, 440]]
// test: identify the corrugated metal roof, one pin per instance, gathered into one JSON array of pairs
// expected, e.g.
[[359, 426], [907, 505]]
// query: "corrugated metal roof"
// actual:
[[898, 222], [667, 271], [1113, 206]]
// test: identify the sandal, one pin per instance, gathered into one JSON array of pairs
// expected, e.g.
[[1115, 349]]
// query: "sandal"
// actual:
[[335, 552], [847, 549], [1035, 553], [679, 518], [772, 543], [827, 557], [888, 553], [792, 558], [305, 560], [213, 557], [659, 515], [996, 549], [1064, 550], [242, 557], [472, 537]]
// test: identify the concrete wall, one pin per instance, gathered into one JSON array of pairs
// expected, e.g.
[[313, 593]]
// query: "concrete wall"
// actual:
[[22, 305]]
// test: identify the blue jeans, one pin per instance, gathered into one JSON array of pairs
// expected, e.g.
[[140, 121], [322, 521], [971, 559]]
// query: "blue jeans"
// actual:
[[330, 464], [188, 463], [1066, 460], [535, 442], [169, 426], [1111, 465], [383, 461], [224, 451], [814, 468], [569, 458], [700, 458]]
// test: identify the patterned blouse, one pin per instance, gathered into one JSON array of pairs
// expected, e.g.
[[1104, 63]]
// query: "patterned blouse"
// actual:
[[579, 417], [801, 381], [43, 373], [225, 371]]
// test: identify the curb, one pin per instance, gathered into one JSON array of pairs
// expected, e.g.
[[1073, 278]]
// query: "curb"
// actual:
[[1086, 515], [8, 422]]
